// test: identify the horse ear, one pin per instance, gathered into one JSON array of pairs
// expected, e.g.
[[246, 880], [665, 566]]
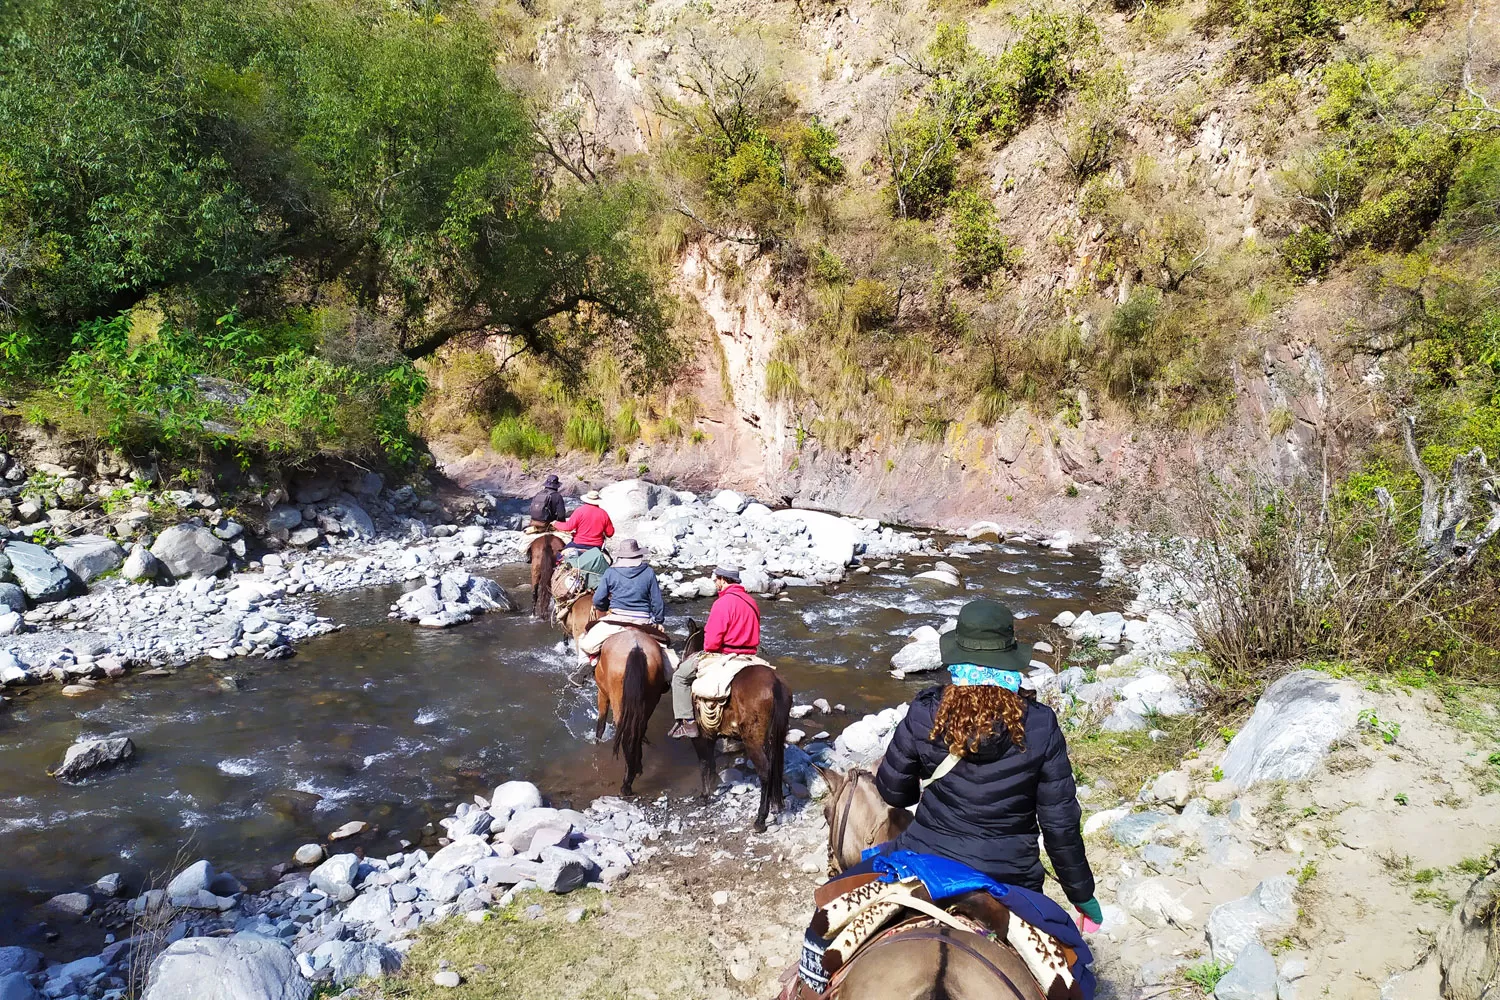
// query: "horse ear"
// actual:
[[835, 779]]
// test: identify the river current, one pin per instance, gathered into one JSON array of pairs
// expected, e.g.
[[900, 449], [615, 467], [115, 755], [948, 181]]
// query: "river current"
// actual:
[[392, 724]]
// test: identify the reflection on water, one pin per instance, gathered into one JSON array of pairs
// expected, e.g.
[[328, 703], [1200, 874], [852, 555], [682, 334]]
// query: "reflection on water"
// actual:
[[390, 724]]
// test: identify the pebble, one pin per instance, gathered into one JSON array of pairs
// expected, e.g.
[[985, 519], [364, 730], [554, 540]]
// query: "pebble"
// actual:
[[447, 979], [353, 828]]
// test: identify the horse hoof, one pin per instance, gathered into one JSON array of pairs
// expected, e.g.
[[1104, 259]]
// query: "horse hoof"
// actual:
[[759, 828]]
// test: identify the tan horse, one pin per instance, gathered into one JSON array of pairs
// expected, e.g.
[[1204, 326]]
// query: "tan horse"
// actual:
[[631, 676], [927, 961], [545, 553], [758, 714], [857, 816]]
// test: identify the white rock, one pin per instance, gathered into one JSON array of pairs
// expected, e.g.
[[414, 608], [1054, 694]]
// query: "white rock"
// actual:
[[730, 501], [242, 967], [1153, 902], [1234, 925], [88, 755], [515, 797], [1294, 723]]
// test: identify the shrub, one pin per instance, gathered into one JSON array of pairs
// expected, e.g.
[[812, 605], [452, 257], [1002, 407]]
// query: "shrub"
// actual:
[[625, 428], [978, 248], [816, 143], [782, 382], [585, 431], [520, 438], [870, 305], [1308, 252], [922, 151]]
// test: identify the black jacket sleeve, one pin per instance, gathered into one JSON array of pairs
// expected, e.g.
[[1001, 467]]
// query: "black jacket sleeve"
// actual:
[[899, 779], [1060, 816]]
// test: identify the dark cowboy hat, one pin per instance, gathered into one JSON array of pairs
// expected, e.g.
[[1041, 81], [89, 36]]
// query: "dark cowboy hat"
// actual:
[[986, 636], [629, 553], [552, 482]]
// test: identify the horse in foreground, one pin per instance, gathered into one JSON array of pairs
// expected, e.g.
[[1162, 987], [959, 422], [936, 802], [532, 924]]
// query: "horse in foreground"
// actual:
[[962, 951], [857, 816], [544, 553], [631, 676], [758, 713]]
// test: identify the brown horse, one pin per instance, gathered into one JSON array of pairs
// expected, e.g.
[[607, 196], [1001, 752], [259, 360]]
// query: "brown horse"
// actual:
[[579, 616], [545, 553], [857, 816], [631, 676], [926, 961], [759, 714]]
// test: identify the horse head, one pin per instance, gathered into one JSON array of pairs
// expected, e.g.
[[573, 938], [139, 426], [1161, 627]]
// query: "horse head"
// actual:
[[858, 817], [694, 643]]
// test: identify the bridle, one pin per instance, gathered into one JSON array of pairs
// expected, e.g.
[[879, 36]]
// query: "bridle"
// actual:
[[847, 801]]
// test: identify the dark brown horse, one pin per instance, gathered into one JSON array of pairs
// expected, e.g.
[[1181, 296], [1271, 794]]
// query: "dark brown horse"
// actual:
[[631, 676], [545, 553], [758, 714]]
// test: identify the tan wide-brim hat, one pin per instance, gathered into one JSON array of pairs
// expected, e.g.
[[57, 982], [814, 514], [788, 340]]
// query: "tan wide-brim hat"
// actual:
[[629, 553], [591, 497]]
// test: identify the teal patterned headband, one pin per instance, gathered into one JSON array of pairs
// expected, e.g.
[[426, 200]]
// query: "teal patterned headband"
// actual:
[[973, 675]]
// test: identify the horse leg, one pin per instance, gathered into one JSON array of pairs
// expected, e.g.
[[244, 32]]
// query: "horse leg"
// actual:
[[708, 758], [603, 708]]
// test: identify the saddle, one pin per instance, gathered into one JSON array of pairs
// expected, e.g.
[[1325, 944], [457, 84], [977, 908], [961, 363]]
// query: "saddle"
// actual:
[[567, 584], [860, 912]]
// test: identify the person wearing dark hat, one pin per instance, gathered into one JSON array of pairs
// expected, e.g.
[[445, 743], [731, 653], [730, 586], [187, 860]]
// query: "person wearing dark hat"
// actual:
[[547, 506], [733, 629], [994, 765], [630, 596]]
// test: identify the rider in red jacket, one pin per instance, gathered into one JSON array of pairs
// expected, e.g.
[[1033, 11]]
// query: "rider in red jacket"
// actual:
[[590, 524], [733, 628]]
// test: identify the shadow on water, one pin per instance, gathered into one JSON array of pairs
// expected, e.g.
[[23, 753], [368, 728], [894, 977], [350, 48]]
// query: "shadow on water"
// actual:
[[390, 724]]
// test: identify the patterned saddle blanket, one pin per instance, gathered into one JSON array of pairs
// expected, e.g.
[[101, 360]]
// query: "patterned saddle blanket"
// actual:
[[906, 889]]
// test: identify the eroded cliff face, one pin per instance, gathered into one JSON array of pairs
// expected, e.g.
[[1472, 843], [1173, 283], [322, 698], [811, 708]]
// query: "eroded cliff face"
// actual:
[[1019, 472]]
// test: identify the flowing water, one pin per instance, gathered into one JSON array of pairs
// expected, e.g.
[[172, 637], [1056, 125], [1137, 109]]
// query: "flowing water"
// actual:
[[391, 724]]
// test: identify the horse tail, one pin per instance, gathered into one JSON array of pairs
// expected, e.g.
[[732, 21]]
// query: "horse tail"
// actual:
[[632, 712], [775, 745]]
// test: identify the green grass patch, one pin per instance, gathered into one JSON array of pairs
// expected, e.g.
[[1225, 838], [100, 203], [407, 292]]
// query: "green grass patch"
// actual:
[[519, 437], [604, 956], [1128, 759], [1206, 975]]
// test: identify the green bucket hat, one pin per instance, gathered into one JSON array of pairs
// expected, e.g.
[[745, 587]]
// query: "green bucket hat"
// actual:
[[986, 636]]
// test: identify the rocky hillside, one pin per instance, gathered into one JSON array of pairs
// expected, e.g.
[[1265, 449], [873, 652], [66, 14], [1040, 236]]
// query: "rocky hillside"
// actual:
[[962, 262]]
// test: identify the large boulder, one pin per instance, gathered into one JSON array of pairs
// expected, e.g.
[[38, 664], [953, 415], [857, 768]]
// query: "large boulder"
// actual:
[[284, 518], [834, 540], [14, 958], [90, 755], [730, 502], [38, 572], [337, 876], [632, 499], [344, 516], [15, 986], [190, 550], [1468, 947], [920, 655], [89, 557], [242, 967], [347, 961], [12, 598], [1294, 723]]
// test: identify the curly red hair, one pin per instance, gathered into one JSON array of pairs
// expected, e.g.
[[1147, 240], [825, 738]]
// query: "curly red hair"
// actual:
[[967, 716]]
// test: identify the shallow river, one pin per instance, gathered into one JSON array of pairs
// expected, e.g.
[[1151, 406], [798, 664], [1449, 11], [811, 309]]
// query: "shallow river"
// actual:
[[391, 724]]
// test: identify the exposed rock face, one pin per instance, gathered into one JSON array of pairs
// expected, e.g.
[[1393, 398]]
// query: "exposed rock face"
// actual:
[[1296, 721], [90, 755], [38, 572], [190, 550], [242, 967], [1468, 948]]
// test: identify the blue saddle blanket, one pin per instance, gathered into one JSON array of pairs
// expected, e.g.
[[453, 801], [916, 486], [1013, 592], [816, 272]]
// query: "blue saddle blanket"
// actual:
[[945, 878]]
